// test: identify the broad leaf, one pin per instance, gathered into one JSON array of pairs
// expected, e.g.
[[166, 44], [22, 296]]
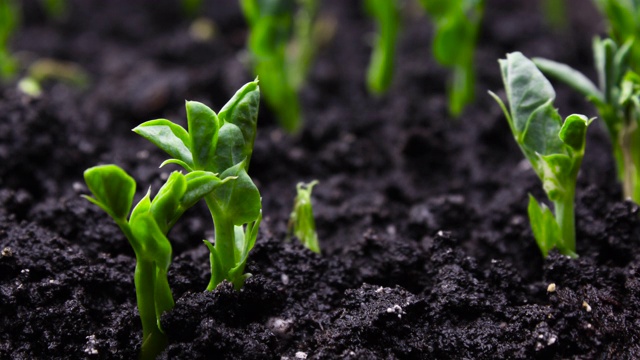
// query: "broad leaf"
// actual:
[[171, 138], [541, 132], [574, 131], [230, 150], [199, 184], [113, 189], [239, 200], [203, 130]]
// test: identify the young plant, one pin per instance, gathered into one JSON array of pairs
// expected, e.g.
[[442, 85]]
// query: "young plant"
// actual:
[[9, 18], [146, 229], [617, 99], [282, 47], [624, 25], [56, 9], [457, 24], [221, 144], [554, 149], [301, 221], [387, 17]]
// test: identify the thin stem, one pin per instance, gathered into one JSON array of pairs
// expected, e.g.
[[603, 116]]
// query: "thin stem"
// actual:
[[153, 340], [224, 246], [565, 217]]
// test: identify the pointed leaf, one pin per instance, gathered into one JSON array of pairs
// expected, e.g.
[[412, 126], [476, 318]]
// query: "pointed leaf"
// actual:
[[199, 184], [569, 76], [230, 150], [203, 130], [239, 200], [242, 111], [112, 188], [171, 138], [164, 206], [543, 225]]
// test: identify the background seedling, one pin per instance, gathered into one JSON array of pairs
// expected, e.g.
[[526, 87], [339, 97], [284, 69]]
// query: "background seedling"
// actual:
[[282, 48], [457, 23], [617, 99], [9, 19], [301, 221], [387, 18], [554, 149], [221, 144], [146, 229]]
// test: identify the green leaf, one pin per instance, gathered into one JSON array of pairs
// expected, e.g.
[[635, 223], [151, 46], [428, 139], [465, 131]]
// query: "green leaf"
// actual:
[[527, 89], [203, 130], [239, 200], [554, 171], [544, 226], [569, 76], [574, 131], [230, 150], [171, 138], [113, 189], [200, 184], [242, 111], [245, 240], [164, 206], [541, 132], [301, 221]]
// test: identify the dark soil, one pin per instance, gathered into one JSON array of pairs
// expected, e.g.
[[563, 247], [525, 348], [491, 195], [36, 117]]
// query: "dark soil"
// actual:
[[427, 251]]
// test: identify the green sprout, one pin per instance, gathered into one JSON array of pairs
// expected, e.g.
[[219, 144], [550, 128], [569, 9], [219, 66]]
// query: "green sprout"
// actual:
[[9, 18], [617, 99], [43, 70], [146, 230], [554, 149], [556, 13], [56, 9], [222, 144], [301, 221], [387, 17], [624, 25], [457, 25], [282, 48]]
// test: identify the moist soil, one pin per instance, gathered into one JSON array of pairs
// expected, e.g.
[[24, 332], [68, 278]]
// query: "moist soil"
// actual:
[[426, 248]]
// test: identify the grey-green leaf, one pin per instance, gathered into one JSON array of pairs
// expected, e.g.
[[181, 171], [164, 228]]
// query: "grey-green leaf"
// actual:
[[171, 138], [541, 132], [569, 76], [574, 131], [113, 189]]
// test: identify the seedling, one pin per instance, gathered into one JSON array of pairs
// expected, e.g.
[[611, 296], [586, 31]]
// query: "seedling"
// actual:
[[282, 47], [387, 17], [146, 229], [221, 144], [301, 221], [554, 149], [457, 24], [9, 17], [624, 25], [56, 9], [617, 99]]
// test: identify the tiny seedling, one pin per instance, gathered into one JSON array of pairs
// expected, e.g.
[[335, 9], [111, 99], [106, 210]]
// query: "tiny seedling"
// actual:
[[387, 17], [554, 148], [43, 70], [282, 48], [457, 23], [9, 18], [301, 221], [617, 99], [146, 229], [222, 144]]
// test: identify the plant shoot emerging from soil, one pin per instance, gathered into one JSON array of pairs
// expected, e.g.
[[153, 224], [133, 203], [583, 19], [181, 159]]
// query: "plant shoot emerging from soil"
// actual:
[[457, 25], [221, 144], [282, 48], [387, 17], [617, 99], [9, 18], [301, 221], [554, 149], [146, 229]]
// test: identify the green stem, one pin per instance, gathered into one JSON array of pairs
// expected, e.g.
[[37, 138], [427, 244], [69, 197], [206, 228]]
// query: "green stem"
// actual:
[[224, 258], [565, 217], [153, 340]]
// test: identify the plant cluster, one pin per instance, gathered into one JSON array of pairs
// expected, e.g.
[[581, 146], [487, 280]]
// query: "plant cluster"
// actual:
[[215, 152], [457, 24]]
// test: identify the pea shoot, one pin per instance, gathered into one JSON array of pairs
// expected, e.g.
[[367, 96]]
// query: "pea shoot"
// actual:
[[554, 148], [387, 17], [301, 221]]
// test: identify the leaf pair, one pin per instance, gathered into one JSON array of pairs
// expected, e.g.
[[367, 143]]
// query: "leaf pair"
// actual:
[[554, 148]]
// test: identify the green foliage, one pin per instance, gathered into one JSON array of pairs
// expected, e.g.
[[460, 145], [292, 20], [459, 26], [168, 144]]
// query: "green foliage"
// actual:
[[301, 221], [554, 148], [221, 144], [9, 18], [191, 8], [617, 98], [56, 9], [556, 13], [624, 25], [146, 229], [457, 24], [387, 17], [282, 47]]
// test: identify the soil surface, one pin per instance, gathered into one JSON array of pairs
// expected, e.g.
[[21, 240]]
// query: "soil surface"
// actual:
[[427, 250]]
